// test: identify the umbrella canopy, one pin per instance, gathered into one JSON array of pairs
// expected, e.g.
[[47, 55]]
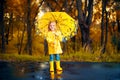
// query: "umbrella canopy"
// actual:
[[65, 23]]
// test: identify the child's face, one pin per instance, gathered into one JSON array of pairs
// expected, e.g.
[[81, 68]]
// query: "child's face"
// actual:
[[52, 26]]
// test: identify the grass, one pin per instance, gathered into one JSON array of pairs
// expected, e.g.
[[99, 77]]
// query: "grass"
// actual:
[[20, 58], [89, 57], [78, 56]]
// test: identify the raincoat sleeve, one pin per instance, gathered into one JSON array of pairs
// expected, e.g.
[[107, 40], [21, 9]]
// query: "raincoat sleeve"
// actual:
[[53, 37], [59, 37], [49, 38]]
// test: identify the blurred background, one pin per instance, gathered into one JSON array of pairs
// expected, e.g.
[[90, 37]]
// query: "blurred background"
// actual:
[[98, 24]]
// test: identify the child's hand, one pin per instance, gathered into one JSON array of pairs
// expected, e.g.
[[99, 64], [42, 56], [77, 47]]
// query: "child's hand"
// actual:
[[56, 34]]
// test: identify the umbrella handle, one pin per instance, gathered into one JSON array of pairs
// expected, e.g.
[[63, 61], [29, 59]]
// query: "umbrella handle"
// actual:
[[63, 39]]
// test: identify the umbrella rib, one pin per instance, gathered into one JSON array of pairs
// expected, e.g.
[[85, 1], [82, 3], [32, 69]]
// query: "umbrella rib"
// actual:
[[63, 24], [45, 25], [62, 20], [53, 16]]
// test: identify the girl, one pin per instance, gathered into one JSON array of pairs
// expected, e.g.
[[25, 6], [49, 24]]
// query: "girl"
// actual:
[[54, 48]]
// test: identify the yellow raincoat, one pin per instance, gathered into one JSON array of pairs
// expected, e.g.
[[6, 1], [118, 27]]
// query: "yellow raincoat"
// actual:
[[53, 40]]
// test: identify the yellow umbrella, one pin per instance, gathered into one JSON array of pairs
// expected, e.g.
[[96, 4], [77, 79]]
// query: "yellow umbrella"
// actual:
[[65, 23]]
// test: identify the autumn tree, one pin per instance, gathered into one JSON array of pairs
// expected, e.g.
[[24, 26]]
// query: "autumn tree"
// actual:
[[85, 13], [117, 8], [2, 28], [21, 16], [104, 3], [108, 18]]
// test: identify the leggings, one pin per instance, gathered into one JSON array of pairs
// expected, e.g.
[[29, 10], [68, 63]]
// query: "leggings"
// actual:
[[57, 57]]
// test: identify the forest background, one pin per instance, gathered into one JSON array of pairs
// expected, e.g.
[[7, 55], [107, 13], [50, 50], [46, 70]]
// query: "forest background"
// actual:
[[97, 38]]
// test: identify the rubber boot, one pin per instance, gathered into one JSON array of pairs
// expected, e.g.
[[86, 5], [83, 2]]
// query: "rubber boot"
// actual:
[[52, 75], [58, 66], [51, 66]]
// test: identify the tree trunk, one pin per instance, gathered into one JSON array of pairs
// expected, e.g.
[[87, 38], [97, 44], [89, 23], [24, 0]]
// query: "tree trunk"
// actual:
[[103, 42], [85, 21], [8, 30], [80, 17], [29, 29], [102, 21], [118, 23], [106, 33], [21, 41], [2, 28], [118, 45]]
